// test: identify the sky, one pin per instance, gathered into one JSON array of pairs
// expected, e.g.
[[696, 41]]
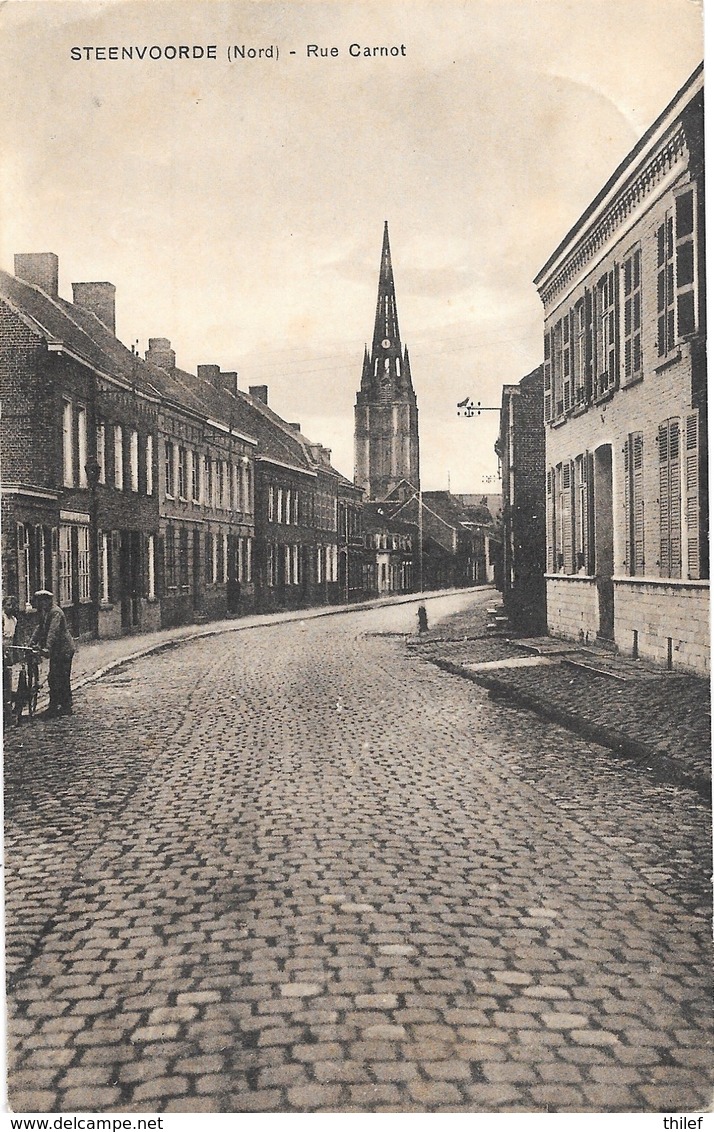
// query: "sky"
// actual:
[[237, 204]]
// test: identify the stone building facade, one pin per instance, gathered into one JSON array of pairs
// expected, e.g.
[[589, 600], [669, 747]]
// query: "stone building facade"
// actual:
[[625, 404]]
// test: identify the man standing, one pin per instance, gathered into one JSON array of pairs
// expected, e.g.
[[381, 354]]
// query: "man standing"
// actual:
[[54, 640]]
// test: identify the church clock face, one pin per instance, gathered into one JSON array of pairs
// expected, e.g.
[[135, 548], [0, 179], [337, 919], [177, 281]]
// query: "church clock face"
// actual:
[[386, 343]]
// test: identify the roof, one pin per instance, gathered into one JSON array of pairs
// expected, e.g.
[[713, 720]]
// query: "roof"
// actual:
[[61, 324], [82, 335]]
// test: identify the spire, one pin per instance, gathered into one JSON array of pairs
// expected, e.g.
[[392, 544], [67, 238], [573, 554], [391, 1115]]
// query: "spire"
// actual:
[[386, 324]]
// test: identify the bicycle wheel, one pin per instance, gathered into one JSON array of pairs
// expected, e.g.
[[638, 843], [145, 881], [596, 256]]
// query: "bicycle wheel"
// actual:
[[20, 696], [32, 690]]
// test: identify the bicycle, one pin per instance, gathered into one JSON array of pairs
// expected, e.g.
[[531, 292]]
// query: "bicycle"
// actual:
[[28, 681]]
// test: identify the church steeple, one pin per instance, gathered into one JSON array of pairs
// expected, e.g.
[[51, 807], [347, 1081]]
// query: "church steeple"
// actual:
[[386, 323], [386, 419]]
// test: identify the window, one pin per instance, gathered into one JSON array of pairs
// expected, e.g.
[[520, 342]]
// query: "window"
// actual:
[[183, 558], [224, 558], [686, 263], [82, 446], [288, 505], [208, 558], [607, 324], [134, 460], [207, 484], [194, 476], [23, 552], [221, 487], [670, 499], [269, 564], [65, 564], [149, 465], [170, 558], [634, 506], [579, 352], [118, 457], [103, 556], [271, 504], [279, 517], [567, 365], [665, 287], [557, 364], [182, 473], [151, 568], [632, 294], [83, 564], [67, 445], [169, 469], [102, 451], [214, 558]]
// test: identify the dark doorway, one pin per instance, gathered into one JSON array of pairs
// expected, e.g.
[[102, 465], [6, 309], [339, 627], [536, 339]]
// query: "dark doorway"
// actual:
[[604, 553], [196, 571], [129, 578]]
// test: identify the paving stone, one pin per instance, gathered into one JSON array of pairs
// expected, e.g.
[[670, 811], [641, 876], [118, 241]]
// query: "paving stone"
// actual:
[[314, 1096], [376, 1001], [434, 1092], [385, 1033]]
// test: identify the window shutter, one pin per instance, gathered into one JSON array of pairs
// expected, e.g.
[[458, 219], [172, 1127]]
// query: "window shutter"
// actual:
[[628, 507], [589, 344], [550, 522], [589, 516], [675, 495], [664, 501], [547, 379], [614, 363], [692, 482], [638, 506], [567, 517]]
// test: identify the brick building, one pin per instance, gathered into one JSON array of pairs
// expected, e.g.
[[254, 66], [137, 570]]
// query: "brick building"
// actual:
[[206, 476], [521, 452], [78, 478], [625, 402]]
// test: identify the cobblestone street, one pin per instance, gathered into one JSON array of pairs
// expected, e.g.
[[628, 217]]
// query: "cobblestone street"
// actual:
[[299, 868]]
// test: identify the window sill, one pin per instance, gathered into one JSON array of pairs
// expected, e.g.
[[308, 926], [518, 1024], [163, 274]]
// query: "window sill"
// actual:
[[637, 379], [608, 395], [670, 360], [105, 606]]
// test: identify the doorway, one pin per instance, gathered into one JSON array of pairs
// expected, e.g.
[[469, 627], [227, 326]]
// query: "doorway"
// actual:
[[129, 578], [604, 548]]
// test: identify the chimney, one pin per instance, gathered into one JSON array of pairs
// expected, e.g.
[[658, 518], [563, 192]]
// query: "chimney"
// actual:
[[294, 425], [229, 381], [41, 269], [211, 374], [259, 393], [160, 353], [98, 298]]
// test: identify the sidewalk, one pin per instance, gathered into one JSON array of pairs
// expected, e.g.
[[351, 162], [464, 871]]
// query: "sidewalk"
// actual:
[[660, 719]]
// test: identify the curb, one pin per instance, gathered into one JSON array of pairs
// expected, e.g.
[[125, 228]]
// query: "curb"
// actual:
[[662, 767]]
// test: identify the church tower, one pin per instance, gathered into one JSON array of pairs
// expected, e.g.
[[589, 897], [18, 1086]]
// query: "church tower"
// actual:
[[386, 417]]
